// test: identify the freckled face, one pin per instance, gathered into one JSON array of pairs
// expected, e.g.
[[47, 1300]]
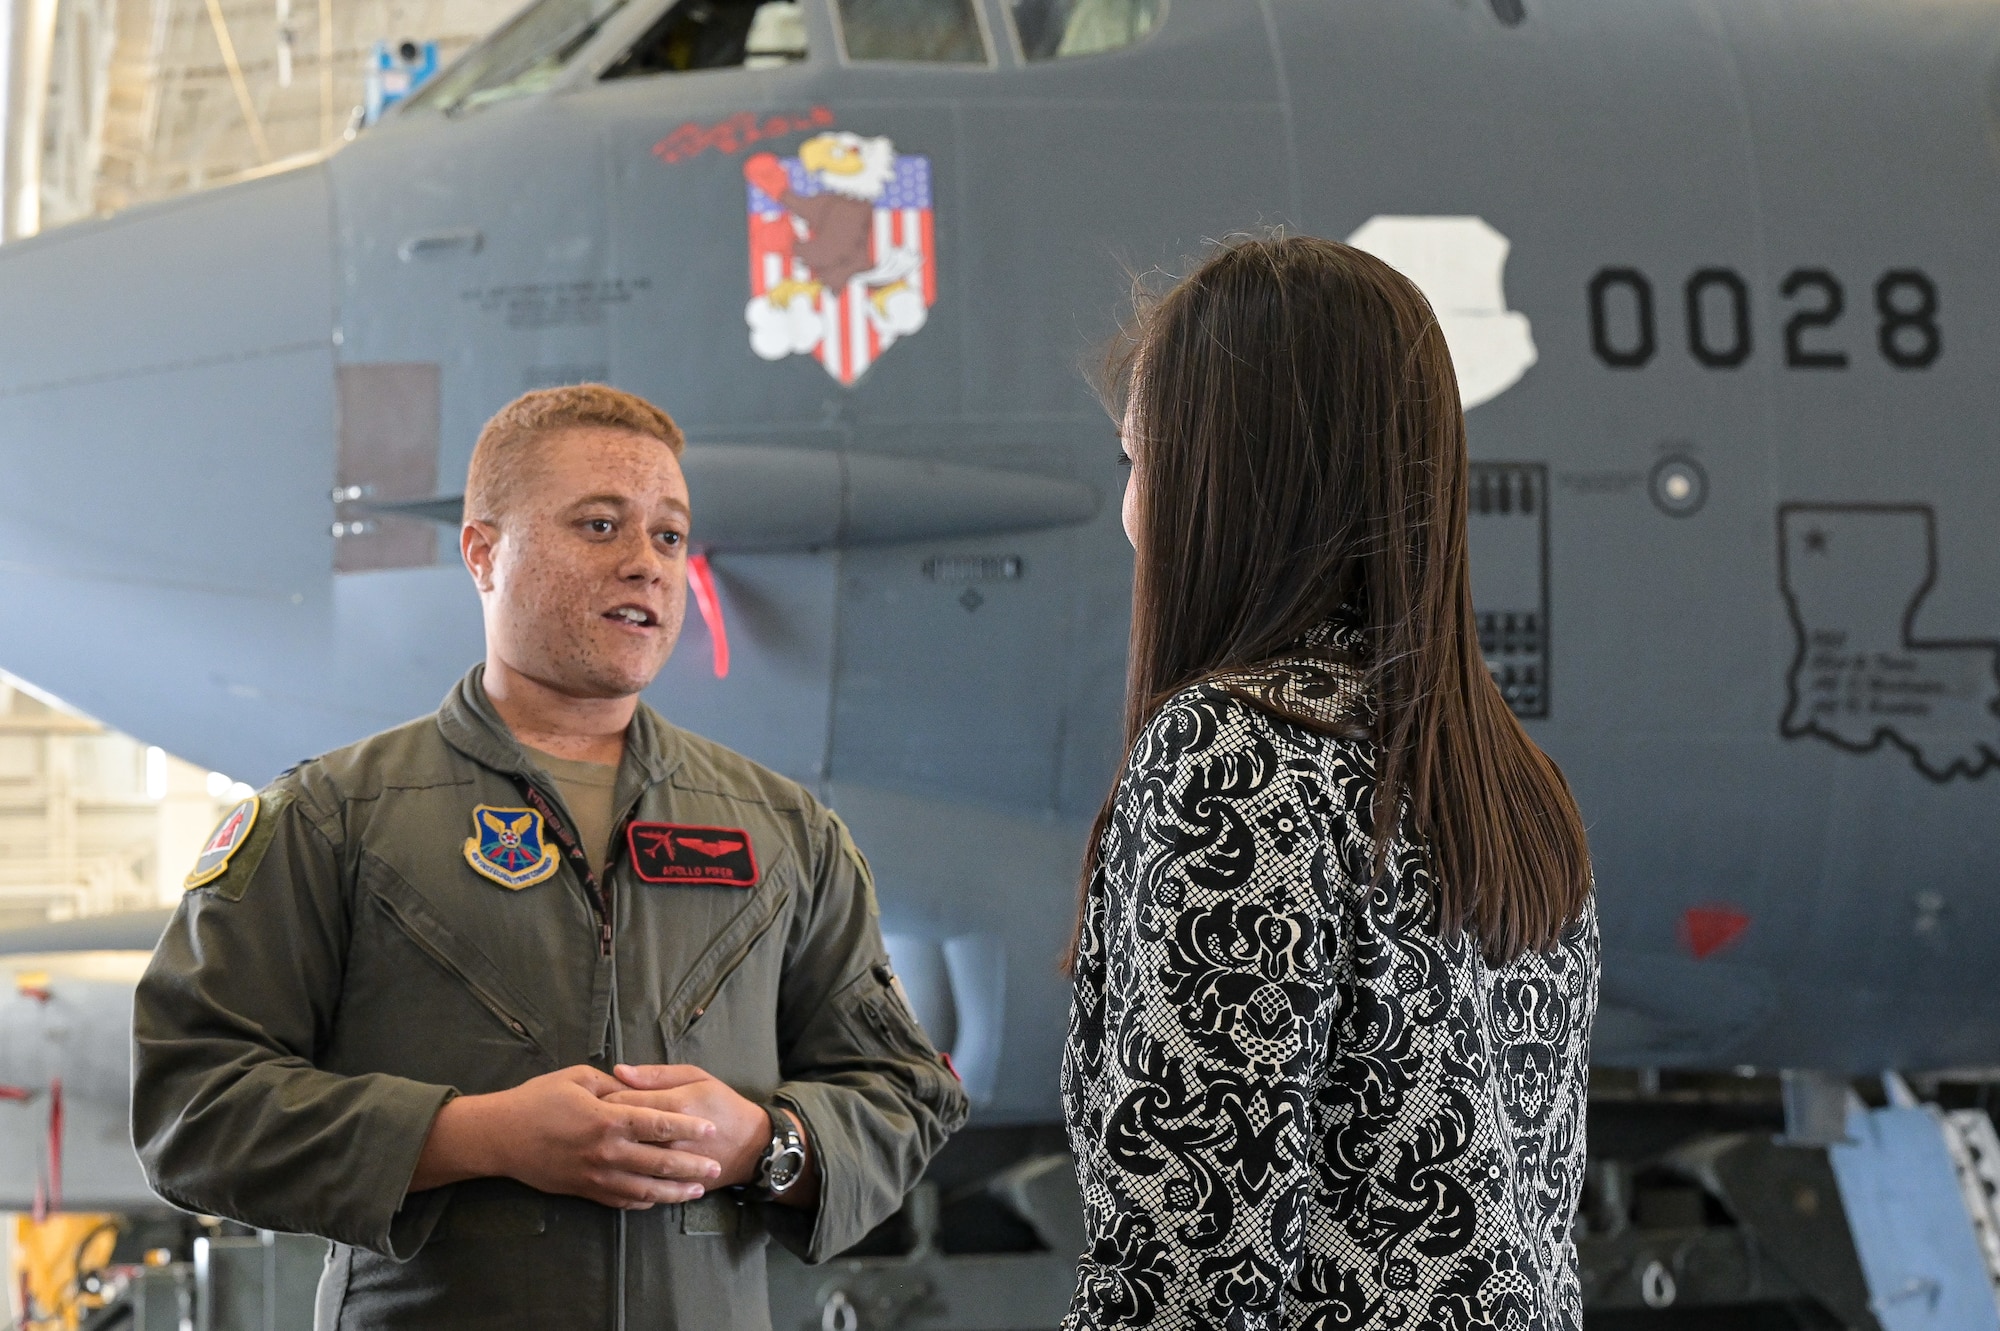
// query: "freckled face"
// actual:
[[588, 584]]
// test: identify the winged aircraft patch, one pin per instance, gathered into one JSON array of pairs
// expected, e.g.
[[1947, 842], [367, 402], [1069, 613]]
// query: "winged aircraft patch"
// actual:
[[695, 856], [509, 847], [223, 843]]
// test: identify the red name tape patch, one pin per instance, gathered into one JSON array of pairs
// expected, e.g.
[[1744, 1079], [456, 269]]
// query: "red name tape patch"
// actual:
[[692, 856]]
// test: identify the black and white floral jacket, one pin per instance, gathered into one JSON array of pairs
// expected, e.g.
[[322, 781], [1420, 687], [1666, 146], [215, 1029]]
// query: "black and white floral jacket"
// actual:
[[1292, 1104]]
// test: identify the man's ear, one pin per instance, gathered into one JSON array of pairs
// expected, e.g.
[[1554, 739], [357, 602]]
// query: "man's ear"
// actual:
[[477, 542]]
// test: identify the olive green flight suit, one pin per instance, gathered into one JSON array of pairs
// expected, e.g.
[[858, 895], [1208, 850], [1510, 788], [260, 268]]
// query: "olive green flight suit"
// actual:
[[311, 1008]]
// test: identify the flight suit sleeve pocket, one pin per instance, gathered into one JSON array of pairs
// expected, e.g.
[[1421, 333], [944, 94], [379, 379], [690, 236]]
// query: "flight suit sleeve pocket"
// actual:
[[877, 1102], [876, 1015]]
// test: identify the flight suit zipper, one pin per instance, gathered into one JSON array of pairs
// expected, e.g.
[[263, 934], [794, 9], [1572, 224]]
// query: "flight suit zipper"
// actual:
[[437, 954], [735, 961], [600, 901]]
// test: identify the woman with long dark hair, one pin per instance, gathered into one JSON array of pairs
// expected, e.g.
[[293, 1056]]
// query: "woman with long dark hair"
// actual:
[[1336, 959]]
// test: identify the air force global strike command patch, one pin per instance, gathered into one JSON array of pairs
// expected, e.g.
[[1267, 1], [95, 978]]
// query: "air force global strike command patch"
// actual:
[[223, 843], [508, 847], [692, 856]]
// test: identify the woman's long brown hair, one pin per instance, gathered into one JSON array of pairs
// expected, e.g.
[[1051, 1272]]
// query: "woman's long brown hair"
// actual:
[[1300, 449]]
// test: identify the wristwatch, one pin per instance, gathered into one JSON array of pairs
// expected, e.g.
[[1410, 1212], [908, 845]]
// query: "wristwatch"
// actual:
[[784, 1160]]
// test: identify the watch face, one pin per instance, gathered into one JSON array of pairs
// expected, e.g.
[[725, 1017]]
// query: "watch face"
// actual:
[[785, 1169], [785, 1157]]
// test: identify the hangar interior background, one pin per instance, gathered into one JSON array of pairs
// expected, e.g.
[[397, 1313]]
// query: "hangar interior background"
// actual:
[[113, 102], [117, 102], [105, 104]]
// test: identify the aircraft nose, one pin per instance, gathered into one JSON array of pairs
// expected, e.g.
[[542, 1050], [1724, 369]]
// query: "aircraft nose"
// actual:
[[166, 389], [166, 428]]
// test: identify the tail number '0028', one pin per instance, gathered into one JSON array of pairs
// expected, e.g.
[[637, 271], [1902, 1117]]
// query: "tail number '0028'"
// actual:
[[1715, 308]]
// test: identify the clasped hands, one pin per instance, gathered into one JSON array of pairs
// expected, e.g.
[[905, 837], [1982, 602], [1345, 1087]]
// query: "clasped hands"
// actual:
[[652, 1134]]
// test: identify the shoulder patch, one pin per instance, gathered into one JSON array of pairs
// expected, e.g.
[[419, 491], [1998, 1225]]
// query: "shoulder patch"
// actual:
[[694, 856], [510, 847], [223, 843]]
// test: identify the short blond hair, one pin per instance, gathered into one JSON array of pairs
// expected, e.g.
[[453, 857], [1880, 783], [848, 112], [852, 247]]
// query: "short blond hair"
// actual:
[[506, 447]]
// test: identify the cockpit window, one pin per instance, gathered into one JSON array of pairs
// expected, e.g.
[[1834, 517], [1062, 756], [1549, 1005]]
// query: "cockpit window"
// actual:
[[1056, 29], [524, 56], [718, 34], [945, 32]]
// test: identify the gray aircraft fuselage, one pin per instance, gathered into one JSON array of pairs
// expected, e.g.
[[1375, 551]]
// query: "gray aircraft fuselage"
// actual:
[[1734, 525]]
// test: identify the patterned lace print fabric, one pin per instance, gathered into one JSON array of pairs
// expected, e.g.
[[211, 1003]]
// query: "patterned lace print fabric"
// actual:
[[1291, 1104]]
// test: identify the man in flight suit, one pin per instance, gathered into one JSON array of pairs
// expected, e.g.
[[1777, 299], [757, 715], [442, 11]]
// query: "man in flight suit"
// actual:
[[543, 1011]]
